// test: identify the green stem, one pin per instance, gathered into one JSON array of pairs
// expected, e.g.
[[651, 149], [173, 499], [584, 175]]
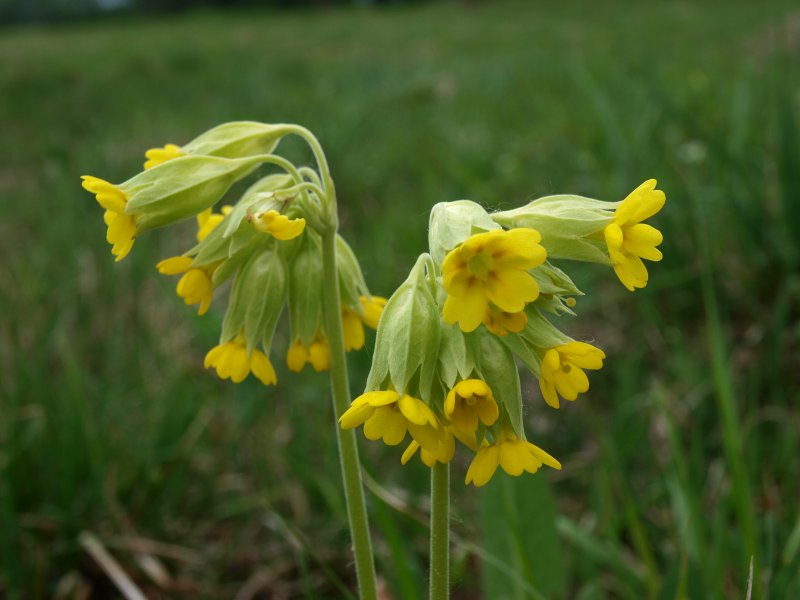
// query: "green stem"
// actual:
[[348, 451], [440, 532]]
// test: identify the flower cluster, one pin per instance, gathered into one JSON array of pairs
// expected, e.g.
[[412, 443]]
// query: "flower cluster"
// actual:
[[445, 362], [261, 244]]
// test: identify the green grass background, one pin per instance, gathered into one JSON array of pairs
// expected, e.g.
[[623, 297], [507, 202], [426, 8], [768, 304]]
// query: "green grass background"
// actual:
[[679, 465]]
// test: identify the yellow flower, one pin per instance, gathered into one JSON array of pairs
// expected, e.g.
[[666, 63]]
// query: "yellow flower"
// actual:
[[562, 370], [372, 307], [318, 353], [196, 286], [156, 156], [512, 454], [443, 454], [469, 401], [208, 220], [500, 322], [353, 322], [629, 240], [121, 226], [491, 268], [387, 415], [278, 225], [231, 360]]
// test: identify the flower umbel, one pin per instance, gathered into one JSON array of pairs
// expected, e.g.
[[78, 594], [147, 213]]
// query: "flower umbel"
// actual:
[[491, 268], [468, 402], [121, 226], [629, 240], [514, 455], [562, 370], [232, 361], [387, 415]]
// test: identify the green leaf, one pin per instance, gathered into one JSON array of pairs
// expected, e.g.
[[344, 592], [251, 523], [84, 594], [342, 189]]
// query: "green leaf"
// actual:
[[518, 518]]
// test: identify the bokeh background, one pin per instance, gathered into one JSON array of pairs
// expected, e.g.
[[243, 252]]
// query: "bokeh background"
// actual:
[[680, 464]]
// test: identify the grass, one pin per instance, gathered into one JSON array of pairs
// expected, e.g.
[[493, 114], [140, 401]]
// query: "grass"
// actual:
[[680, 463]]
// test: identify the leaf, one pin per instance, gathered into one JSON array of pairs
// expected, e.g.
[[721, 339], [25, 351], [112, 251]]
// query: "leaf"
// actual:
[[518, 518]]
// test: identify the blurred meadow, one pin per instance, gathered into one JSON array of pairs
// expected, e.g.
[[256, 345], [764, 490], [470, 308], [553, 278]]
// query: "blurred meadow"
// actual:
[[680, 464]]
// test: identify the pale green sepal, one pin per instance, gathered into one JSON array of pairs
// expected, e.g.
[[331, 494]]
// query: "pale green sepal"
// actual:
[[497, 367], [453, 222], [351, 279], [540, 333], [237, 139], [456, 359], [256, 198], [305, 288], [571, 226], [263, 289], [553, 280], [408, 336], [181, 188], [228, 268], [523, 351]]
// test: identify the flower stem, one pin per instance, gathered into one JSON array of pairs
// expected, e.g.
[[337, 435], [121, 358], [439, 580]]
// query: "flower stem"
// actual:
[[440, 532], [348, 451]]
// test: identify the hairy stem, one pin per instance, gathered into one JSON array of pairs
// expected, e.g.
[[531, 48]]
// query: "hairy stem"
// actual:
[[440, 532], [348, 451]]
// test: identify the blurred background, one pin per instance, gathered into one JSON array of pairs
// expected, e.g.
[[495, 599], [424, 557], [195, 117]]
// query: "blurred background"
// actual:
[[680, 464]]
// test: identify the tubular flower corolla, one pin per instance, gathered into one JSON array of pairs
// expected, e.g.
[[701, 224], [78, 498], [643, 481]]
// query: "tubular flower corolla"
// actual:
[[156, 156], [278, 225], [512, 454], [501, 323], [208, 220], [232, 361], [121, 226], [444, 452], [353, 322], [387, 415], [317, 353], [491, 268], [196, 286], [562, 370], [468, 402], [629, 240]]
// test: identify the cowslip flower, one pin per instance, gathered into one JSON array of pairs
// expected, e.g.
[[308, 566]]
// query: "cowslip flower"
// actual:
[[629, 240], [318, 353], [491, 268], [501, 323], [121, 226], [387, 415], [195, 286], [444, 452], [468, 402], [562, 373], [353, 322], [514, 455], [231, 360], [208, 220], [156, 156], [278, 225]]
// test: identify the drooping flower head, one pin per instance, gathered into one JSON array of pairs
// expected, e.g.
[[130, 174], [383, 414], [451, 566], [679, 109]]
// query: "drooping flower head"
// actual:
[[514, 455], [121, 226], [562, 370], [231, 360], [629, 240], [491, 268]]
